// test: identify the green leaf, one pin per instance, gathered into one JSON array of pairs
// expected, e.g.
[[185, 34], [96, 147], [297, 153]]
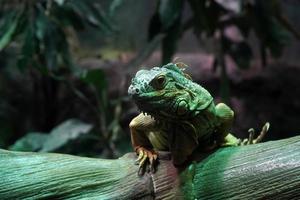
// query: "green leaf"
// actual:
[[65, 132], [270, 32], [169, 11], [30, 142], [114, 5], [277, 39], [232, 6], [60, 2], [41, 24], [167, 16], [66, 16], [104, 21], [58, 137], [29, 47], [95, 77], [9, 32], [167, 20], [84, 11], [92, 15], [65, 54], [206, 16], [53, 45]]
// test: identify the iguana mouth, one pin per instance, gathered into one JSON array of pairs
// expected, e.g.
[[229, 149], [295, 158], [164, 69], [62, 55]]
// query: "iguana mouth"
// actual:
[[148, 112], [161, 115]]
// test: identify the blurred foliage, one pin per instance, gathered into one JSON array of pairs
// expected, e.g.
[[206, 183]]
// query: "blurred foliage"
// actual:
[[229, 23], [39, 34], [42, 87], [41, 28], [58, 137]]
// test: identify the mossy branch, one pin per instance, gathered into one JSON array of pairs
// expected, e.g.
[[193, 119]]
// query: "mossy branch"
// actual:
[[269, 170]]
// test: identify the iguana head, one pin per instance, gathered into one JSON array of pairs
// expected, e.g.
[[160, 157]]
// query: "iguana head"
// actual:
[[167, 92]]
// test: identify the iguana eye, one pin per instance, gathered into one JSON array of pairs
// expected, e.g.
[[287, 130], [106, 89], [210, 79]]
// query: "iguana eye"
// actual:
[[159, 82]]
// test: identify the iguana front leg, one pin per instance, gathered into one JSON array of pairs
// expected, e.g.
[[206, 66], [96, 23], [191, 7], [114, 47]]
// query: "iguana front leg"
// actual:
[[231, 140], [225, 115], [140, 127]]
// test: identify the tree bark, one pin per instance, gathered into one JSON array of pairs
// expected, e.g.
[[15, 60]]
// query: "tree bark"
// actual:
[[269, 170]]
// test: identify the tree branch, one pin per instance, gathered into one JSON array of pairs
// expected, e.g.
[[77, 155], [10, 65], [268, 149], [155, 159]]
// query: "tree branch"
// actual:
[[269, 170]]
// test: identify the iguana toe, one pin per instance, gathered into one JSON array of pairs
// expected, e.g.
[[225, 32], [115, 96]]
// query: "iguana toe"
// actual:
[[146, 157], [258, 139]]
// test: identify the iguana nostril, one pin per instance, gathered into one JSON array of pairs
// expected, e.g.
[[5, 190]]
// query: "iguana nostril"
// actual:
[[133, 90]]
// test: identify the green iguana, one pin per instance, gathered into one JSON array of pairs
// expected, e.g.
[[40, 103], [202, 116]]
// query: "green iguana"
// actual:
[[178, 115]]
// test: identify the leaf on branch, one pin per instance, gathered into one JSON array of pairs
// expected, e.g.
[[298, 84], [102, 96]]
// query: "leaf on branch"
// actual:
[[68, 130], [57, 138], [30, 142]]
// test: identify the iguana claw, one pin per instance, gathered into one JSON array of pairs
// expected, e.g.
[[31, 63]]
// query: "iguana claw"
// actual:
[[145, 156], [251, 139]]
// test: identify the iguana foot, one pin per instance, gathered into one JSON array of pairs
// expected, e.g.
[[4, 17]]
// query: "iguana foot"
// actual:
[[146, 159], [258, 139]]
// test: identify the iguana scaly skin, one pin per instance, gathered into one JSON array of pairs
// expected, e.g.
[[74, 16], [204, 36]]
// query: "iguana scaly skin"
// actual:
[[178, 115]]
